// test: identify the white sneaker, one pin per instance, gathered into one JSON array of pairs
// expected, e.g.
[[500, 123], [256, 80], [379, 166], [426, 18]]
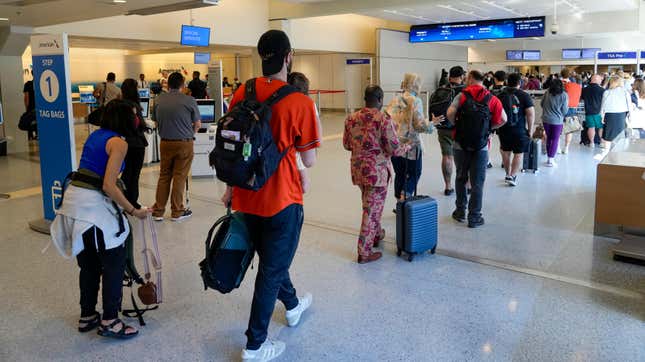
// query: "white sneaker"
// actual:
[[157, 218], [550, 163], [565, 150], [293, 316], [268, 351]]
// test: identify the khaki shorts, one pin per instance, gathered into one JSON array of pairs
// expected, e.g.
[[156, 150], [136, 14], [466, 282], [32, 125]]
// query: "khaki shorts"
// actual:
[[446, 141]]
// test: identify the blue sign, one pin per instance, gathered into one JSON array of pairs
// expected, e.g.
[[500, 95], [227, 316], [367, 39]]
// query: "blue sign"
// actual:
[[202, 58], [617, 55], [196, 36], [358, 61], [531, 55], [87, 98], [54, 116], [643, 55], [589, 53], [478, 30]]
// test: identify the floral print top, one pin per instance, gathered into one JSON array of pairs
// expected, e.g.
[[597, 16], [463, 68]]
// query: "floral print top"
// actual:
[[371, 137], [407, 112]]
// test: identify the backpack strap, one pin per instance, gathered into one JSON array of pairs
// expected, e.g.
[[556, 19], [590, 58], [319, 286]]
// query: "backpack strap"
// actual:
[[277, 96], [249, 89]]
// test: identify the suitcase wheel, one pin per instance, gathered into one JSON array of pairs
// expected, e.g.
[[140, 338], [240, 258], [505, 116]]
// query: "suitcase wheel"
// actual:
[[410, 257], [398, 252], [523, 171], [433, 250]]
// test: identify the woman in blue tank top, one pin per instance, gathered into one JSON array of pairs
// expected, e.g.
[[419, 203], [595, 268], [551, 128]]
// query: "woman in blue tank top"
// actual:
[[99, 231]]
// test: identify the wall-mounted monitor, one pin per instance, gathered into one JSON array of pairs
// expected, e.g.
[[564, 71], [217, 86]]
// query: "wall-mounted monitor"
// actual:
[[531, 55], [206, 110], [196, 36], [514, 55], [571, 53], [590, 53], [202, 58], [479, 29], [145, 107]]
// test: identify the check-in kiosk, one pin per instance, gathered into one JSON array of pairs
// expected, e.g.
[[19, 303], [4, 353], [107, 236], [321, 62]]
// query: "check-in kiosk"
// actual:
[[152, 136], [204, 139]]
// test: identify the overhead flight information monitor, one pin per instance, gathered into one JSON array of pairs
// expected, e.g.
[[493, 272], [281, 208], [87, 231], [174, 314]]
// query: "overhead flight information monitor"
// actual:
[[478, 30], [531, 55], [571, 53], [202, 58], [196, 36], [514, 55], [590, 53]]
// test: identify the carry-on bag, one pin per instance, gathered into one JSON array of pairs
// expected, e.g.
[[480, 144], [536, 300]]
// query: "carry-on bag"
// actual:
[[229, 252], [532, 158], [416, 226], [150, 290]]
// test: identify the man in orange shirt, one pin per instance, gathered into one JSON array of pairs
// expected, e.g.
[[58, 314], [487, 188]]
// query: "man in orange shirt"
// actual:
[[574, 91], [274, 214]]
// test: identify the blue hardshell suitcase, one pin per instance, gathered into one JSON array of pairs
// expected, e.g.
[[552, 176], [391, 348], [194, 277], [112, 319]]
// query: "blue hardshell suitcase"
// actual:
[[416, 226]]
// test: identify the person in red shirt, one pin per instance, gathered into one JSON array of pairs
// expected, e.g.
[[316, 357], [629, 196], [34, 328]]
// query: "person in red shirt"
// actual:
[[471, 153], [274, 214], [574, 91]]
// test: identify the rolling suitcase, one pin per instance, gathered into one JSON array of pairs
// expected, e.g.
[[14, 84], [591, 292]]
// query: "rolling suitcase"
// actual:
[[416, 226], [532, 158]]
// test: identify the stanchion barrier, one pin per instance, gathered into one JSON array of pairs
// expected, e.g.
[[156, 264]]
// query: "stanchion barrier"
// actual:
[[318, 92]]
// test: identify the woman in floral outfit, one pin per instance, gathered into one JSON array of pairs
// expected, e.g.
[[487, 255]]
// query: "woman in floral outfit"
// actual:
[[371, 137], [406, 110]]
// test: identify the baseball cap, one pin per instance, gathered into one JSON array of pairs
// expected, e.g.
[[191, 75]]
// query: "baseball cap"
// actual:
[[456, 71], [273, 47]]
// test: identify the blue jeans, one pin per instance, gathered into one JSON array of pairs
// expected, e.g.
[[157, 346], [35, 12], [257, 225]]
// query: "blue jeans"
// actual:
[[276, 240], [406, 175], [471, 165]]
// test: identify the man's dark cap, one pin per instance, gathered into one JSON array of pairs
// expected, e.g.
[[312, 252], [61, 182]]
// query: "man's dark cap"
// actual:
[[273, 47]]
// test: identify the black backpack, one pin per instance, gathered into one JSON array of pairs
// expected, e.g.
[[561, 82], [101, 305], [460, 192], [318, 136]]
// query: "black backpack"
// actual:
[[511, 106], [440, 101], [245, 153], [473, 122]]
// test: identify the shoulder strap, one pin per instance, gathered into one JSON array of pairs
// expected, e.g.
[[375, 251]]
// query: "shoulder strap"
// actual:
[[249, 88], [284, 91]]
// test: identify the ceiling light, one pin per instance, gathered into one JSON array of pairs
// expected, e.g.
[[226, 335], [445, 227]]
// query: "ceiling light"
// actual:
[[578, 15], [119, 1], [4, 19]]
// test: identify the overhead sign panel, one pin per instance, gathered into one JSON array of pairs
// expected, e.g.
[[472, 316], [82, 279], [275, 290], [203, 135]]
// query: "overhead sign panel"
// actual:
[[358, 61], [478, 30], [202, 58], [617, 55], [571, 53], [196, 36], [589, 53]]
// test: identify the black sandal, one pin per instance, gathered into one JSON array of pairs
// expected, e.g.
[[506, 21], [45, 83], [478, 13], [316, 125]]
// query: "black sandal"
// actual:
[[106, 331], [90, 324]]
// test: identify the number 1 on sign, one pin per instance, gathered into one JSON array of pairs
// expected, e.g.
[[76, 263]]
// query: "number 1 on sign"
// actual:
[[49, 85]]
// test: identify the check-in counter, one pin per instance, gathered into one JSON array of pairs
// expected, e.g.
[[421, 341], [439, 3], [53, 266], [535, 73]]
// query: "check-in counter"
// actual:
[[620, 198]]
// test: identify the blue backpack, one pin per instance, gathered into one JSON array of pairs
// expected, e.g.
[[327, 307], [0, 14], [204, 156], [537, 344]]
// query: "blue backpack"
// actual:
[[245, 153]]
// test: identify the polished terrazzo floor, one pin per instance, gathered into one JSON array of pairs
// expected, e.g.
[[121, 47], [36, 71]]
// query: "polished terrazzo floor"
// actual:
[[533, 284]]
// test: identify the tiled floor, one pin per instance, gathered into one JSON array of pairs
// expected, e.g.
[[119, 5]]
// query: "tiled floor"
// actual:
[[543, 288]]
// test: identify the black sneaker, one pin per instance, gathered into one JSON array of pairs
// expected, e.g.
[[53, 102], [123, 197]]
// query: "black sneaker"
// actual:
[[476, 223], [184, 215], [448, 192], [513, 181], [459, 216], [508, 180], [490, 165], [468, 191]]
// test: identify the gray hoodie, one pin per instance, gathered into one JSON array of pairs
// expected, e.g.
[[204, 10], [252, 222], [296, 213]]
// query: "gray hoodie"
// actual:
[[554, 108]]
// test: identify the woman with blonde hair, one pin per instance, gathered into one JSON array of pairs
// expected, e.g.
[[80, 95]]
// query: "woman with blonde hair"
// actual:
[[406, 110], [615, 108]]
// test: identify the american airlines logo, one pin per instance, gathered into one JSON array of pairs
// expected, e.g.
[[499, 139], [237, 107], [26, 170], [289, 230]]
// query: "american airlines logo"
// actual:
[[49, 44]]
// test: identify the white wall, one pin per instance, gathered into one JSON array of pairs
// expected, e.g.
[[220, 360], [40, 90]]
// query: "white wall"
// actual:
[[11, 83], [92, 65], [328, 72], [397, 56]]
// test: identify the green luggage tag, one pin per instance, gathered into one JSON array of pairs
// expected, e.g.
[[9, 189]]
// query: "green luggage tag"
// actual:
[[246, 150]]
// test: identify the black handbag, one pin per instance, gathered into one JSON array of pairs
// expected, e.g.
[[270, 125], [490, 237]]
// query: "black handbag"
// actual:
[[27, 121]]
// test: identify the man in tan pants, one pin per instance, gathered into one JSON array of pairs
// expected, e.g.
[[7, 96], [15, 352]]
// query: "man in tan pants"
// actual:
[[178, 119]]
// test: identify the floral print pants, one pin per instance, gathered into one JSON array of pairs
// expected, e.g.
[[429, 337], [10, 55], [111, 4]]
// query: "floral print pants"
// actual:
[[373, 202]]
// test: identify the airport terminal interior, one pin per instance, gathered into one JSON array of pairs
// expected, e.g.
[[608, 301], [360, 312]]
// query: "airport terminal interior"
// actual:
[[556, 272]]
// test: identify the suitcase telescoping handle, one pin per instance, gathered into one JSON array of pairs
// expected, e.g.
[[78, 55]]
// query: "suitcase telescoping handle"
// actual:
[[405, 194]]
